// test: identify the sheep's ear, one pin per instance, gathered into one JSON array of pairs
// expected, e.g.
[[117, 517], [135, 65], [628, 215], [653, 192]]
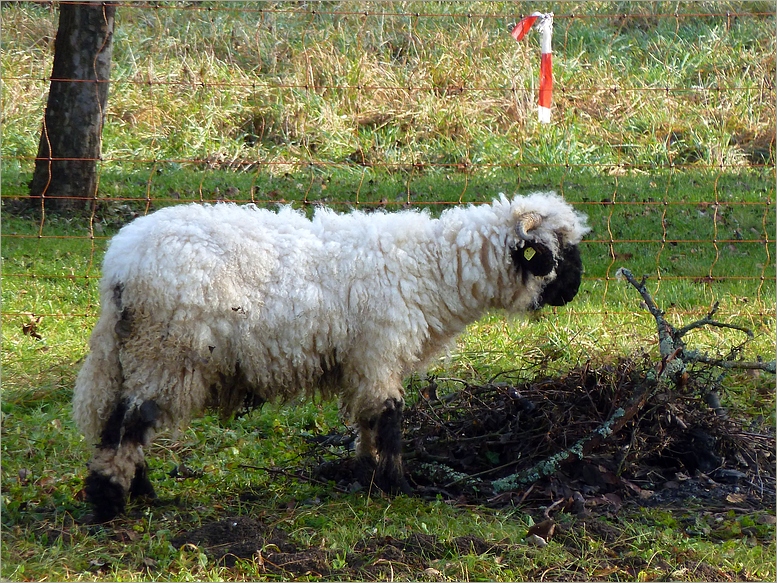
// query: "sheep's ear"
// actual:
[[534, 258]]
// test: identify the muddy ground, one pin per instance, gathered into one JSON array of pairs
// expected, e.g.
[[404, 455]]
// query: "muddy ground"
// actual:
[[681, 449]]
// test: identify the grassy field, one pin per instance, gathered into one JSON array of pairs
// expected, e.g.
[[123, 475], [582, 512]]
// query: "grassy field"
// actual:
[[662, 132]]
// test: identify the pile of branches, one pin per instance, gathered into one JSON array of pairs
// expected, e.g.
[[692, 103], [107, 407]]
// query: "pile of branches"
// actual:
[[653, 431], [541, 440]]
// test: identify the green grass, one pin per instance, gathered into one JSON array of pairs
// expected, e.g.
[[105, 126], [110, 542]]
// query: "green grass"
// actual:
[[280, 87], [265, 106]]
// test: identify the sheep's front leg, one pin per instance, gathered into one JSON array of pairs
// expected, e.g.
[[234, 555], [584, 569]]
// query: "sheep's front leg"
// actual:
[[381, 436]]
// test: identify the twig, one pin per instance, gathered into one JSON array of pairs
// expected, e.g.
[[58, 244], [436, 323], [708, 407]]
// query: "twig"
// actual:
[[484, 472], [547, 511], [673, 364], [695, 356], [667, 343], [505, 372], [708, 321]]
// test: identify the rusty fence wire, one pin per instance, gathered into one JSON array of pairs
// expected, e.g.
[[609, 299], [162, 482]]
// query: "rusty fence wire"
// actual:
[[662, 129]]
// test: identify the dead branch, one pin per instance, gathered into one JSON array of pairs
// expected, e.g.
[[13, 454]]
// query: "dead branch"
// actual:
[[696, 356], [670, 338], [708, 321], [674, 360], [582, 447], [667, 343], [296, 475]]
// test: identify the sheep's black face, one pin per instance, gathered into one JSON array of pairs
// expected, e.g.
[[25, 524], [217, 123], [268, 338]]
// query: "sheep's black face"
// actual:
[[536, 259], [569, 272]]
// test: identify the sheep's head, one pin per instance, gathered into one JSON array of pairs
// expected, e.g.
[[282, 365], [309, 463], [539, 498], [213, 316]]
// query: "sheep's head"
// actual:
[[546, 248]]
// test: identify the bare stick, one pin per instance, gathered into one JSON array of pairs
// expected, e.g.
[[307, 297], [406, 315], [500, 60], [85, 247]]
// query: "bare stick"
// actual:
[[667, 342], [708, 321], [768, 366], [673, 363]]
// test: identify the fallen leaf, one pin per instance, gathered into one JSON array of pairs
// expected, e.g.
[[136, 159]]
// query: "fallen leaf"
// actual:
[[30, 328], [46, 481], [645, 494], [544, 529], [766, 519]]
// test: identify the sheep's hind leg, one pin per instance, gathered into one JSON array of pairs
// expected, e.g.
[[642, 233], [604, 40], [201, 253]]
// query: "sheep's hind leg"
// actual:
[[118, 466], [383, 436]]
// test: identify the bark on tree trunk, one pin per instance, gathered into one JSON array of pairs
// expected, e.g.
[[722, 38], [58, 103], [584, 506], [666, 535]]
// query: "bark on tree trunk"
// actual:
[[65, 176]]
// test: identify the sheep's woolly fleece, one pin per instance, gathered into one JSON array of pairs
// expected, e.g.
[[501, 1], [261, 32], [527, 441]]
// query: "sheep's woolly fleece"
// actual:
[[225, 296]]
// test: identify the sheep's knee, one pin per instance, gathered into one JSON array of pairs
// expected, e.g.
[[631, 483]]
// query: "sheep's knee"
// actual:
[[383, 436], [118, 466]]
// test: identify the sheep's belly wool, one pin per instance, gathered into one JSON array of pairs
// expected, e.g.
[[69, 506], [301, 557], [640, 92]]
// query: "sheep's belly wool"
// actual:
[[229, 305]]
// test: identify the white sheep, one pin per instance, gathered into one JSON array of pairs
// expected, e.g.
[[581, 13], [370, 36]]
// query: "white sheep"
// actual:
[[226, 306]]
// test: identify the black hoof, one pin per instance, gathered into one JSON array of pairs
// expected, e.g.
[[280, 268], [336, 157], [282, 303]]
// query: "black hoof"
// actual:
[[107, 498], [391, 479]]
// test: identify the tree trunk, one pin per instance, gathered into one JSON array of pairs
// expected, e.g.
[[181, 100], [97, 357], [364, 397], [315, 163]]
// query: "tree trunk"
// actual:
[[65, 177]]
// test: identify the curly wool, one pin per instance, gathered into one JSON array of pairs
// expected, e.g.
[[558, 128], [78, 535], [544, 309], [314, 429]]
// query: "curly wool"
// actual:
[[204, 305]]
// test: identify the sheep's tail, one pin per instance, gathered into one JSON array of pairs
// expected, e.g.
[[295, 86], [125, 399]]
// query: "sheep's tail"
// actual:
[[99, 383]]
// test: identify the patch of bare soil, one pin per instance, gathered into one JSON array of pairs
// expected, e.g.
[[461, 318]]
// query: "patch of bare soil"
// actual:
[[377, 558], [236, 538]]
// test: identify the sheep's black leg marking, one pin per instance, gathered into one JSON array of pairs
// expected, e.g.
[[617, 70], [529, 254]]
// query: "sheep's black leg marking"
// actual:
[[107, 497], [364, 470], [127, 426], [139, 421], [136, 431], [564, 288], [112, 432], [141, 486], [389, 475]]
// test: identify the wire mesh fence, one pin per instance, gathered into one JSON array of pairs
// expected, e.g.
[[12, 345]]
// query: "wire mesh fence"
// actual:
[[662, 129]]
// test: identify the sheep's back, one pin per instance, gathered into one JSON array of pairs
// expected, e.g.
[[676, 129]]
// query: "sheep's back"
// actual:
[[195, 255], [285, 299]]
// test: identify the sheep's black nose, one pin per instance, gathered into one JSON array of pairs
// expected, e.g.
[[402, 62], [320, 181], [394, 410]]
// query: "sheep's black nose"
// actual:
[[569, 273]]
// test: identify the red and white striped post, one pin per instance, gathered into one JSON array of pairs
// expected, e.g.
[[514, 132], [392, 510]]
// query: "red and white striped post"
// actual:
[[544, 24]]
